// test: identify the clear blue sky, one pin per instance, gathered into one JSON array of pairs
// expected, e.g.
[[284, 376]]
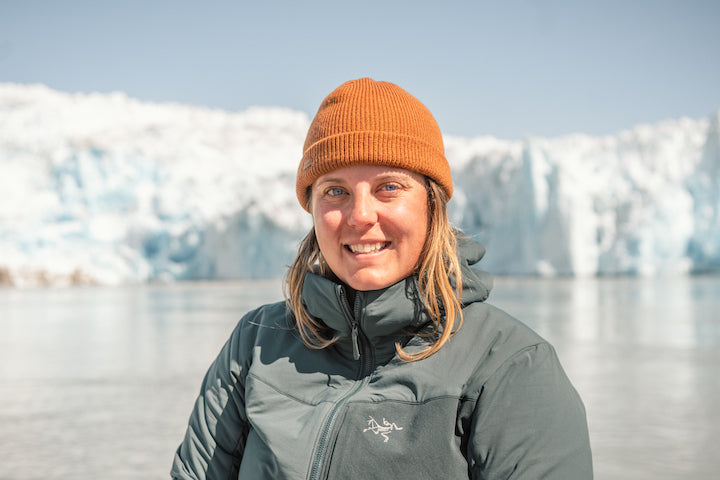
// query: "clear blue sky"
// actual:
[[505, 68]]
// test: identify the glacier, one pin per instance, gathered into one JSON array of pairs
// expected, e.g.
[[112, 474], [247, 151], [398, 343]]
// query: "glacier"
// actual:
[[106, 189]]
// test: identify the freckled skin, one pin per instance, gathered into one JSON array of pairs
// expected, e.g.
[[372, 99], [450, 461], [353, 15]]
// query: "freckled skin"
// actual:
[[367, 205]]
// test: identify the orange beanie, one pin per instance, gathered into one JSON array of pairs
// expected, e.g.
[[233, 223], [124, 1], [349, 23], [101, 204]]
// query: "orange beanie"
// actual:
[[372, 123]]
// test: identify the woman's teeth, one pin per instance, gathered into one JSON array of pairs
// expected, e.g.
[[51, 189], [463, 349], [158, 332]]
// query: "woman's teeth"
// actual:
[[367, 247]]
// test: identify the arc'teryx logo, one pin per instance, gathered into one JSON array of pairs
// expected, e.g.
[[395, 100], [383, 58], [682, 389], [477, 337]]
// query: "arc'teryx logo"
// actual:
[[383, 429]]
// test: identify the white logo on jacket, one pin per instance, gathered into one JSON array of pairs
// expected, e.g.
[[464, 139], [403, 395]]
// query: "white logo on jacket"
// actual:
[[383, 429]]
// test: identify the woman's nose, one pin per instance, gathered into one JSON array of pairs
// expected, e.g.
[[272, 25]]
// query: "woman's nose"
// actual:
[[362, 210]]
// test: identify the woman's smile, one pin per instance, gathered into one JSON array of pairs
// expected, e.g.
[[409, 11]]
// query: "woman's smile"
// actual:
[[368, 248]]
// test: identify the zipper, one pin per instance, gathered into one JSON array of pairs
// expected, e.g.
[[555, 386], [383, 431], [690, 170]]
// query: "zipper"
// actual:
[[356, 347], [319, 465], [352, 318]]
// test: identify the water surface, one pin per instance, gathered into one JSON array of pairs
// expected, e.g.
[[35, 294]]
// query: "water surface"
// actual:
[[99, 382]]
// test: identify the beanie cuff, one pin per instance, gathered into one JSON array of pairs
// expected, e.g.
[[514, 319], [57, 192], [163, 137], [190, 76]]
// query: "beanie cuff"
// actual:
[[371, 148]]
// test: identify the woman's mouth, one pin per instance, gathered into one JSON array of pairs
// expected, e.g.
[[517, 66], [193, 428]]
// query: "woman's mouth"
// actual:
[[367, 247]]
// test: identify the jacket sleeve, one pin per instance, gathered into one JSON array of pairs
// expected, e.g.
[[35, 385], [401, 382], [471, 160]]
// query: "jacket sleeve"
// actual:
[[216, 433], [529, 422]]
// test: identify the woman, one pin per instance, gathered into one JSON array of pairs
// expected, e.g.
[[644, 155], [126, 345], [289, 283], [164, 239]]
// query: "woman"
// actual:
[[384, 362]]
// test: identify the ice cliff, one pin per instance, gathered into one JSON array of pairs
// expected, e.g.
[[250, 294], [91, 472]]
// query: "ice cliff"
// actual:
[[102, 188]]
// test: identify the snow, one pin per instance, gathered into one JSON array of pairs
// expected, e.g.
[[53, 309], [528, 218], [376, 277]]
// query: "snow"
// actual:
[[102, 188]]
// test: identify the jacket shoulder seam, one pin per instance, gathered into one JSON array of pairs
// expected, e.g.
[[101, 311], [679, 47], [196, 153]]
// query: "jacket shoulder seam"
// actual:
[[463, 398], [507, 361], [284, 394]]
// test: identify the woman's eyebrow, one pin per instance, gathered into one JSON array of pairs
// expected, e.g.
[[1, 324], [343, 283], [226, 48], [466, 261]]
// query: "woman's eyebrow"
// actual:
[[392, 176], [331, 180], [380, 177]]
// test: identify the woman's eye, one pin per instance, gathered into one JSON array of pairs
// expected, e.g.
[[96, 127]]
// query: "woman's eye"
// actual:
[[334, 192], [390, 187]]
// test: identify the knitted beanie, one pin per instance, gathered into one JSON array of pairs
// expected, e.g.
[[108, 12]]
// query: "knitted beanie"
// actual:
[[372, 123]]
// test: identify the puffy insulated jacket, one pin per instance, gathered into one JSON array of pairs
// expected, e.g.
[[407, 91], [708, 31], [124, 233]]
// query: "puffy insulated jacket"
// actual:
[[492, 403]]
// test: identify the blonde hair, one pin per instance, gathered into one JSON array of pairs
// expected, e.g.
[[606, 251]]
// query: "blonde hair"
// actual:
[[438, 263]]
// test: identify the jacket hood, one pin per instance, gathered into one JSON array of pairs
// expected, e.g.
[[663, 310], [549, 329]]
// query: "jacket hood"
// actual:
[[392, 310], [476, 283]]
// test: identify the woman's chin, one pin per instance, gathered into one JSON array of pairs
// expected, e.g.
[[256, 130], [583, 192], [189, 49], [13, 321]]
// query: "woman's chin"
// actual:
[[367, 281]]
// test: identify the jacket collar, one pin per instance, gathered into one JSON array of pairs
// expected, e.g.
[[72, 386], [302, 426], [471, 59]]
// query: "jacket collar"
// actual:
[[390, 312], [378, 313]]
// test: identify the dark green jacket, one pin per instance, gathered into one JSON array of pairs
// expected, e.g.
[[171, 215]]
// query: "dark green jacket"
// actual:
[[492, 403]]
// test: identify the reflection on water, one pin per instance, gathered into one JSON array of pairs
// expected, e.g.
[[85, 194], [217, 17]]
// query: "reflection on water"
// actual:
[[99, 382]]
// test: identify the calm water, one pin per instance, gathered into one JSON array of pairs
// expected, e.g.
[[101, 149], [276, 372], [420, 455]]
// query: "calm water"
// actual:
[[99, 382]]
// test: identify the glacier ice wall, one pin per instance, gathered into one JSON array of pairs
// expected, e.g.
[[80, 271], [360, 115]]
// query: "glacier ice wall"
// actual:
[[644, 201], [103, 188]]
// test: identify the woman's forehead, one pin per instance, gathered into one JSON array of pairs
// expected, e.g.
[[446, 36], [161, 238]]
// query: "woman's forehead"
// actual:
[[365, 172]]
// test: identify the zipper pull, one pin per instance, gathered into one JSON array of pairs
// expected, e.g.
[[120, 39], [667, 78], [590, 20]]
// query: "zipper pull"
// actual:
[[356, 347]]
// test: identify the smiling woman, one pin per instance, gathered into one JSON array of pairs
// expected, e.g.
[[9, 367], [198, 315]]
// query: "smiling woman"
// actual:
[[384, 361]]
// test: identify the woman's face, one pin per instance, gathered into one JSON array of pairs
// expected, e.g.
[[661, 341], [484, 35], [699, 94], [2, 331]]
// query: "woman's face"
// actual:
[[371, 223]]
